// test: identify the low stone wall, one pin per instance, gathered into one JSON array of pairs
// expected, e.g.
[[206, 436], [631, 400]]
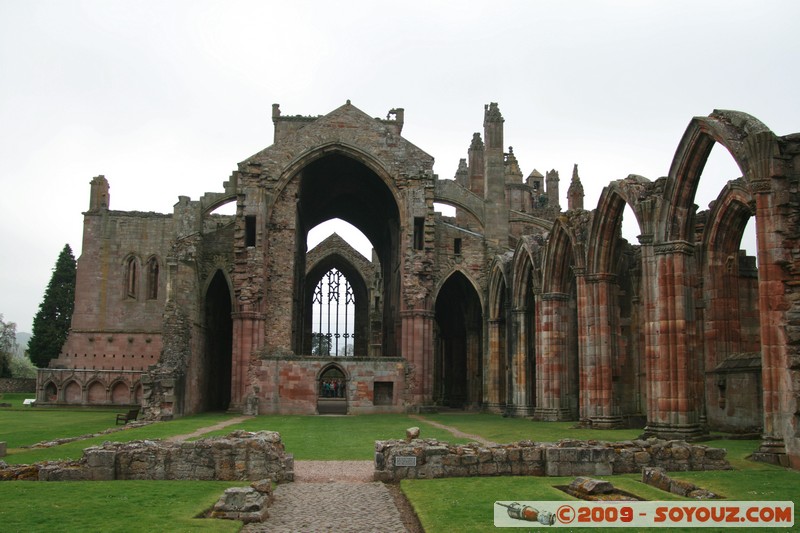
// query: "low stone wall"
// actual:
[[240, 456], [656, 477], [429, 458], [18, 385]]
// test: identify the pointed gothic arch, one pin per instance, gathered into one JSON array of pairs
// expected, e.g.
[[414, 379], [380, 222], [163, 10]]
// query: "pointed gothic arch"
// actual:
[[524, 316], [557, 376], [730, 336], [337, 180], [335, 260], [498, 365], [458, 343], [728, 128], [215, 374], [131, 274]]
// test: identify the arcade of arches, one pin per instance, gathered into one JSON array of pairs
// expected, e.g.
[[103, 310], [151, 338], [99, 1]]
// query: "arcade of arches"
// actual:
[[514, 305]]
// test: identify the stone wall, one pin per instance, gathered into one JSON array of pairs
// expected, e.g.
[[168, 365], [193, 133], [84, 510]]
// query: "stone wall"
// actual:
[[239, 456], [17, 385], [290, 385], [88, 387], [429, 458]]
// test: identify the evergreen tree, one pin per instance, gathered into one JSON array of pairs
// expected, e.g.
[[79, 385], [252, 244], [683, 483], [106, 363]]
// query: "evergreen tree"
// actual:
[[51, 323]]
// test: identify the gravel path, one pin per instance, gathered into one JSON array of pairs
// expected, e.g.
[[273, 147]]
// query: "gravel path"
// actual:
[[337, 496], [454, 431], [208, 429], [339, 506]]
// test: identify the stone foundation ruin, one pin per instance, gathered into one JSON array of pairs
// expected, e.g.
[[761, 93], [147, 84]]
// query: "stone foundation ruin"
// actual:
[[240, 456], [430, 458]]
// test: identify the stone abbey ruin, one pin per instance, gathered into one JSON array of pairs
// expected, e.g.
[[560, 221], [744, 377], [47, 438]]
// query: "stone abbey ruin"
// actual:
[[514, 305]]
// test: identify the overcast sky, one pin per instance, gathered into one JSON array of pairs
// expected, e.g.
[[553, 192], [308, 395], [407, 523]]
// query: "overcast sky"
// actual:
[[165, 97]]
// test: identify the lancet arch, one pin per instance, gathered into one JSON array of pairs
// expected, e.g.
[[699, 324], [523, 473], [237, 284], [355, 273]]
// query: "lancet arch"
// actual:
[[557, 344], [356, 299], [498, 367], [457, 351], [730, 320]]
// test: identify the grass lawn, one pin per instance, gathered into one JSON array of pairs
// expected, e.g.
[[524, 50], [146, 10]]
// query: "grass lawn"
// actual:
[[27, 426], [111, 506], [338, 438], [503, 430], [466, 504]]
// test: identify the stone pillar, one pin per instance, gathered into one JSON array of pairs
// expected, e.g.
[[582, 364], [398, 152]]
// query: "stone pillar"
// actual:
[[495, 391], [248, 335], [781, 400], [597, 391], [674, 371], [416, 342], [521, 395], [551, 348], [474, 382]]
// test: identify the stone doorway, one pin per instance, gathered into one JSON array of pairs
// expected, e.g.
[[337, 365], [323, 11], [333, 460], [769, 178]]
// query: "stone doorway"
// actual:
[[459, 339], [216, 389], [332, 391]]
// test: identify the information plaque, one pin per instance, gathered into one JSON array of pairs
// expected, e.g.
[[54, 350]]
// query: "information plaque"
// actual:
[[405, 461]]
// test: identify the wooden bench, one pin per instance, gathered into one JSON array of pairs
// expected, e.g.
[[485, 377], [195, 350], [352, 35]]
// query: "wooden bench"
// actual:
[[127, 417]]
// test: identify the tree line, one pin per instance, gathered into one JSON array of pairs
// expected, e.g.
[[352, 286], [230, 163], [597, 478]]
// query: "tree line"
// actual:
[[50, 325]]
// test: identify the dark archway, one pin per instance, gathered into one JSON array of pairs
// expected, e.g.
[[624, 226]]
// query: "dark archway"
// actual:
[[339, 186], [459, 326], [216, 389]]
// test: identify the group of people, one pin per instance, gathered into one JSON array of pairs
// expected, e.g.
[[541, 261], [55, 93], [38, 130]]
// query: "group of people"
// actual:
[[332, 388]]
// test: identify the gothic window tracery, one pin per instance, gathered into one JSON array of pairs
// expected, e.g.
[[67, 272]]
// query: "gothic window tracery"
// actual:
[[333, 316]]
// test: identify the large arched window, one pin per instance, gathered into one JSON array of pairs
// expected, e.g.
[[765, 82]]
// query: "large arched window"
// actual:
[[333, 316]]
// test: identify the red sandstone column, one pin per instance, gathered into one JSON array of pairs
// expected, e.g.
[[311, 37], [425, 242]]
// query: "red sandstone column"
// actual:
[[597, 372], [248, 335], [675, 366], [587, 347], [416, 342], [773, 304], [550, 356]]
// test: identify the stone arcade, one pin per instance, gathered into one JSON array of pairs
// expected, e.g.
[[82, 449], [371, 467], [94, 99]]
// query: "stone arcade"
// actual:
[[513, 305]]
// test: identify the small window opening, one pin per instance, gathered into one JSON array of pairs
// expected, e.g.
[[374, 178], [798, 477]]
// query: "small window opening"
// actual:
[[419, 230], [383, 393], [131, 276], [457, 246], [152, 279], [250, 230]]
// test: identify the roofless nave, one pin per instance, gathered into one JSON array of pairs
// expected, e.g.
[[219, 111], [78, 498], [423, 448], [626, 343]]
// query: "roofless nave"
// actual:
[[513, 305]]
